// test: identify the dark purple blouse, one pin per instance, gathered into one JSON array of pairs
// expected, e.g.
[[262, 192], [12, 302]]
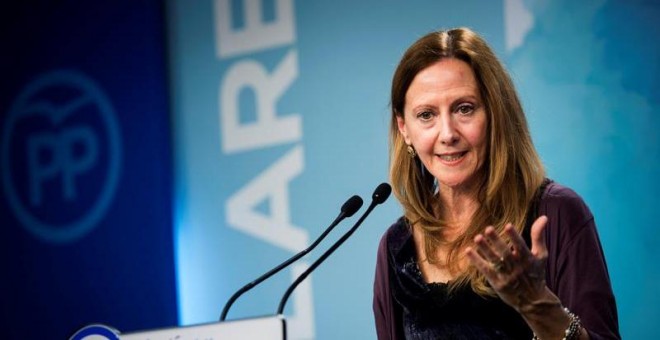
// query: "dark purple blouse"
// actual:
[[576, 270]]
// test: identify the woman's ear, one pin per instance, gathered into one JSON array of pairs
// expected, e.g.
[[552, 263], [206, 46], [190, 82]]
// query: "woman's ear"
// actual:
[[401, 124]]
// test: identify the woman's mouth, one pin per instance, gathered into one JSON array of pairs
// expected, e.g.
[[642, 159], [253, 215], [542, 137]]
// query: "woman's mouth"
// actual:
[[452, 157]]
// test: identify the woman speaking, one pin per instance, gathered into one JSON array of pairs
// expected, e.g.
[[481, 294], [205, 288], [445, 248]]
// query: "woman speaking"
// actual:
[[488, 247]]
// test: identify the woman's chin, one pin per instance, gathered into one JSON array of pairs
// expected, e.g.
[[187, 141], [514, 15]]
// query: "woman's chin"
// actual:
[[455, 183]]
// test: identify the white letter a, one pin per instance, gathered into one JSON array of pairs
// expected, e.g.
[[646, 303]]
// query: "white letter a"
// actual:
[[271, 184]]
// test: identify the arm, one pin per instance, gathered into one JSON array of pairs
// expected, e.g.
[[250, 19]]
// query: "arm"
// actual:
[[583, 284], [386, 311]]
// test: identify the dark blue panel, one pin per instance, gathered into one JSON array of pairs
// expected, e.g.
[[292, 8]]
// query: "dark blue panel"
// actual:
[[85, 207]]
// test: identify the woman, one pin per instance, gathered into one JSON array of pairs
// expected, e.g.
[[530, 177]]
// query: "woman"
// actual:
[[487, 248]]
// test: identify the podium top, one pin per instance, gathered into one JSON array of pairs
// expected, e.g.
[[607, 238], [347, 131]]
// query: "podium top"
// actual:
[[263, 328]]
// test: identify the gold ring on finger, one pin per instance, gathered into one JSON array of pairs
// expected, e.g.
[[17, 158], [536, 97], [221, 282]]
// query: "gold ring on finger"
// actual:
[[499, 265]]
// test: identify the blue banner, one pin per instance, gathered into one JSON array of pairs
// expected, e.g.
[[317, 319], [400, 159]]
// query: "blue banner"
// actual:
[[86, 232]]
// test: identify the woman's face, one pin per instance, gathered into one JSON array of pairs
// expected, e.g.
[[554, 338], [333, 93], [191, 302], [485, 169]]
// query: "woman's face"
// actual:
[[445, 121]]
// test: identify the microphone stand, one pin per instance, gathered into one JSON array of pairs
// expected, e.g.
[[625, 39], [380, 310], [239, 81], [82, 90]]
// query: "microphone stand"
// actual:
[[381, 194], [349, 208]]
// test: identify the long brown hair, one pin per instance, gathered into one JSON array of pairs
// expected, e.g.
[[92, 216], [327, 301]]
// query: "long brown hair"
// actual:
[[511, 174]]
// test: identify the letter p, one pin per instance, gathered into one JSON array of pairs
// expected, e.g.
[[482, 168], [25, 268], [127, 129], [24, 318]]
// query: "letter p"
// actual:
[[63, 158]]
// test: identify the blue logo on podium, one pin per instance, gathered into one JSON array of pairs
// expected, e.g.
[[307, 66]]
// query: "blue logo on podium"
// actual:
[[96, 332]]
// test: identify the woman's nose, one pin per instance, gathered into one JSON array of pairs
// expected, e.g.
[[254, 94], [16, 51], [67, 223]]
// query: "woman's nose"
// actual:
[[448, 135]]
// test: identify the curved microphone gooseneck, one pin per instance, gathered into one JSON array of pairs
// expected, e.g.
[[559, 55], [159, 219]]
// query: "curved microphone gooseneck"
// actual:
[[379, 196], [349, 208]]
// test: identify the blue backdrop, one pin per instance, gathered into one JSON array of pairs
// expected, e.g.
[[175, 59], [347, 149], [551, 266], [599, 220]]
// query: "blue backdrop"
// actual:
[[85, 214], [278, 112]]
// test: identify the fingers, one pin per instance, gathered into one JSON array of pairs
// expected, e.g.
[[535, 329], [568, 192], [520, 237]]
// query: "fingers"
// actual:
[[494, 251], [539, 249], [485, 248], [517, 242], [483, 265], [499, 246], [492, 254], [514, 272]]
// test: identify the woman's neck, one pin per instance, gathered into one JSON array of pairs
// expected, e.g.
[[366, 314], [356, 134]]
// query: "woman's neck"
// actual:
[[458, 206]]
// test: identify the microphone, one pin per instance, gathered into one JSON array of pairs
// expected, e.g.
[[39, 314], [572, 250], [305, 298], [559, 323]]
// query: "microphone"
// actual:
[[350, 207], [379, 196]]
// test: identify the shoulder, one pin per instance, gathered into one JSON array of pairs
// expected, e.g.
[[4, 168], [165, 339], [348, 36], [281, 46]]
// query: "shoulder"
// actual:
[[561, 202], [557, 191], [390, 244], [568, 214], [395, 237]]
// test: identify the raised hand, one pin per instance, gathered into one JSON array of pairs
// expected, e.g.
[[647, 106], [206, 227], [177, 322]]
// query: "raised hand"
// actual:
[[516, 273]]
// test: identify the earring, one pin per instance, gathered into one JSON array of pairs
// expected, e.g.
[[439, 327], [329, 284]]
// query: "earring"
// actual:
[[411, 151]]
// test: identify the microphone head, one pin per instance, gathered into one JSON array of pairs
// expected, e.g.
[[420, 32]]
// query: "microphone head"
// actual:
[[381, 193], [351, 206]]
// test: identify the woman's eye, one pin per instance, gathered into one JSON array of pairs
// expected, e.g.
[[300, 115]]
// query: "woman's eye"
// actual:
[[465, 109], [426, 115]]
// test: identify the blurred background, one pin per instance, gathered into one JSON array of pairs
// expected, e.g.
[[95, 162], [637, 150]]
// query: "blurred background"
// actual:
[[157, 155]]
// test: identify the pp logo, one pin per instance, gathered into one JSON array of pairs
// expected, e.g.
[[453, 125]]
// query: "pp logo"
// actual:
[[96, 332], [61, 155]]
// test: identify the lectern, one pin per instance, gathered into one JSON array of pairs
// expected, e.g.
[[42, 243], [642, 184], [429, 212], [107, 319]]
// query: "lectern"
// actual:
[[259, 328]]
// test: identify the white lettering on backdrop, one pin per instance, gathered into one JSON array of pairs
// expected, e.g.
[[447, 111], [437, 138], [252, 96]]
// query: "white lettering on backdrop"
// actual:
[[268, 130]]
